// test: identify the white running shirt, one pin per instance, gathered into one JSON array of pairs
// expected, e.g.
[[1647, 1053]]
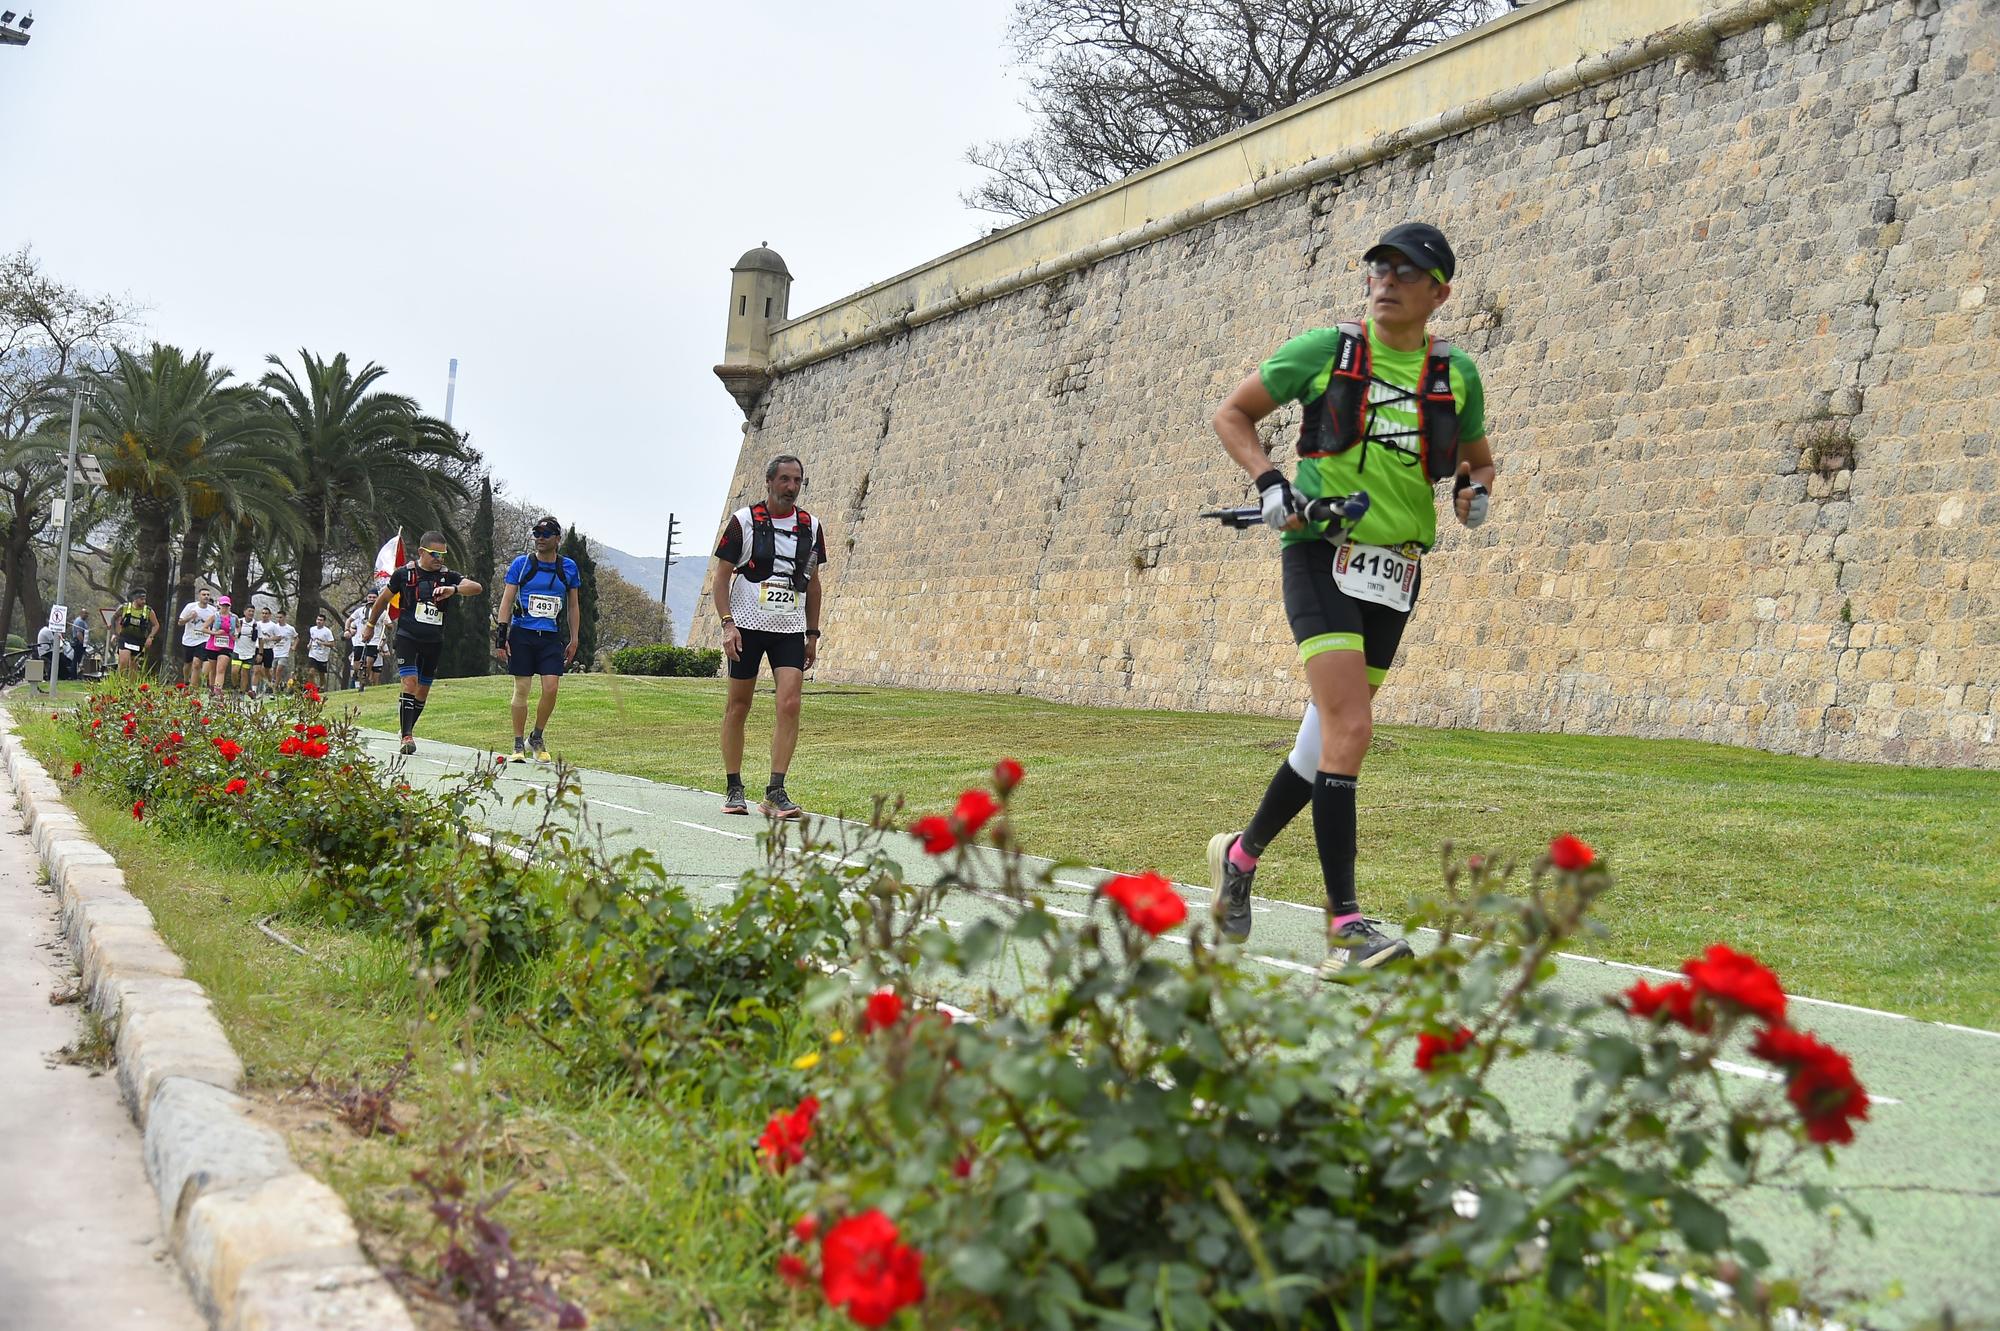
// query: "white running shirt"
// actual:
[[320, 643], [194, 632], [773, 605]]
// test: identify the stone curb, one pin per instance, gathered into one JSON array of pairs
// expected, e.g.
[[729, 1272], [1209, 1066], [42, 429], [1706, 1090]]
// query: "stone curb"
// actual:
[[264, 1245]]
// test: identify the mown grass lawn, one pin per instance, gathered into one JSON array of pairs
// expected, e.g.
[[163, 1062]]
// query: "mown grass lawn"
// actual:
[[1869, 885]]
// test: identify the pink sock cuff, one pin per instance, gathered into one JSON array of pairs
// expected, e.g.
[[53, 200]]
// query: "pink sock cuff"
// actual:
[[1342, 921], [1238, 858]]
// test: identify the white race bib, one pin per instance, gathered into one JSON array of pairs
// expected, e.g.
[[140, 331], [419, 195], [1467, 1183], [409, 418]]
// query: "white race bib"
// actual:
[[426, 612], [777, 597], [1375, 573], [543, 607]]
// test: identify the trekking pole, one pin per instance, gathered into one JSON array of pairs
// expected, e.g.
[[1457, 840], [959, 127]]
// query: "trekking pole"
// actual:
[[1344, 513]]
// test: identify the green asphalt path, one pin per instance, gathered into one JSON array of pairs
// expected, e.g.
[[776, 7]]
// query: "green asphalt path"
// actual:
[[1926, 1166]]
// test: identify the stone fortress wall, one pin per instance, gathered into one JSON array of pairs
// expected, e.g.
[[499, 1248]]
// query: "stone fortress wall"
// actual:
[[1728, 286]]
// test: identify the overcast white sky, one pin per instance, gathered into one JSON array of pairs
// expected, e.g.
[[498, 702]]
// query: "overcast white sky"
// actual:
[[552, 193]]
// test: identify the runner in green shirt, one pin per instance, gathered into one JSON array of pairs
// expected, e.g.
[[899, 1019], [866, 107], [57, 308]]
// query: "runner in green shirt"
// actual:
[[1388, 410]]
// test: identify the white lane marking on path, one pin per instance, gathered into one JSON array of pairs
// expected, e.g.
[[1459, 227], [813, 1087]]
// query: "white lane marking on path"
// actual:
[[485, 840], [622, 808], [1970, 1030], [704, 827], [1765, 1074]]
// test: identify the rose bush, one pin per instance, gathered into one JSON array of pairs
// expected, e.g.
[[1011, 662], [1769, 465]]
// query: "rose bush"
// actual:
[[1145, 1136]]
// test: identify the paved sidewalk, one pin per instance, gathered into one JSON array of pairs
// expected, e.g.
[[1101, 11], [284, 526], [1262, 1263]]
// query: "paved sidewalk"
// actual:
[[83, 1246]]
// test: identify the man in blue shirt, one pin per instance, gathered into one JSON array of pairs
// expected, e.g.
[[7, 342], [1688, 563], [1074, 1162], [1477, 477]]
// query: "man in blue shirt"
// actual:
[[539, 590]]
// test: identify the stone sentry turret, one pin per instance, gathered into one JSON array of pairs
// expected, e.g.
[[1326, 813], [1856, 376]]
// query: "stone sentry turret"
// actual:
[[760, 288]]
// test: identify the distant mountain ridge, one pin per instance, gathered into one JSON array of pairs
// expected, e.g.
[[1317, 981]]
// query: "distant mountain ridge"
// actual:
[[643, 571]]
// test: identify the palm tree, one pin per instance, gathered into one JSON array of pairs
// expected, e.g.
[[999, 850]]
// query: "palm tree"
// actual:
[[179, 439], [359, 460]]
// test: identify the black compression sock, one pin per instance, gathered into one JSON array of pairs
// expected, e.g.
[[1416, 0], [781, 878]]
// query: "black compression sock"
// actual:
[[408, 709], [1334, 829], [735, 779], [777, 781], [1284, 799]]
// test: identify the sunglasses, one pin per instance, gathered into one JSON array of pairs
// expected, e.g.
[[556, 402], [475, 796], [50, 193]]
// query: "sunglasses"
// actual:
[[1404, 271], [434, 554], [543, 533]]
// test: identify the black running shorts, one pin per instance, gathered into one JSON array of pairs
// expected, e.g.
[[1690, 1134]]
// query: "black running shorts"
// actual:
[[786, 650], [1325, 618]]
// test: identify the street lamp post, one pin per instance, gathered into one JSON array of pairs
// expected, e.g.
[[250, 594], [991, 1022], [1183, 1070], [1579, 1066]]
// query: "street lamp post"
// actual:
[[76, 398]]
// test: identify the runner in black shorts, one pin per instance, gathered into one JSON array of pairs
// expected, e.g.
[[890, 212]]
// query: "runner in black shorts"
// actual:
[[137, 627], [1391, 410], [766, 583], [423, 588]]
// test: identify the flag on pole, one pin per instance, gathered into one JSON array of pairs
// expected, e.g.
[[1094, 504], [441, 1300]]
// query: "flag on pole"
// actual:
[[387, 560]]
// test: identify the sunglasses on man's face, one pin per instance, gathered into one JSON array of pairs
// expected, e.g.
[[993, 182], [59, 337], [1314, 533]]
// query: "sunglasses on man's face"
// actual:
[[1404, 271], [434, 554]]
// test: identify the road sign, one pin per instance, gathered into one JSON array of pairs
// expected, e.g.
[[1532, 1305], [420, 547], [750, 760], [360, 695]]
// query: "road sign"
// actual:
[[58, 617]]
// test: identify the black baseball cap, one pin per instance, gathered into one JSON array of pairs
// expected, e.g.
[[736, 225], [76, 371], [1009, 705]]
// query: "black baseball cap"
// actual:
[[1421, 242], [547, 526]]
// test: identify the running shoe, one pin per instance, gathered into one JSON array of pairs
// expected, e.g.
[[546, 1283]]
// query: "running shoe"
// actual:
[[409, 745], [1231, 886], [778, 804], [1359, 946], [538, 746], [735, 801], [520, 754]]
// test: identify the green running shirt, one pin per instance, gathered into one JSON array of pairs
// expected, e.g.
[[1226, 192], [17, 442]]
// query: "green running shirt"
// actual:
[[1402, 505]]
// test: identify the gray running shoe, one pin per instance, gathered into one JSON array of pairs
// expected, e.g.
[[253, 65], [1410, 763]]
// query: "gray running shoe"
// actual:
[[1231, 886], [778, 804], [538, 746], [520, 750], [733, 801], [1358, 947], [409, 745]]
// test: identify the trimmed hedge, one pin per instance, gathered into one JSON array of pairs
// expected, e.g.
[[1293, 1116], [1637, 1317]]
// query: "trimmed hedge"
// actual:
[[689, 662]]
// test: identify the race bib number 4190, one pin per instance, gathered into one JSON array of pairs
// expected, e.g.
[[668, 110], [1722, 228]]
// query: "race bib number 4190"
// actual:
[[1375, 573]]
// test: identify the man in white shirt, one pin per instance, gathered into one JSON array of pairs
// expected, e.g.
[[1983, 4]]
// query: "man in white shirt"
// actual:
[[243, 669], [319, 649], [367, 655], [281, 640], [196, 619]]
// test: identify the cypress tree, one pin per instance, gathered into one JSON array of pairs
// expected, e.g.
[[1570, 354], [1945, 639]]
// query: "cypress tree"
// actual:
[[576, 547]]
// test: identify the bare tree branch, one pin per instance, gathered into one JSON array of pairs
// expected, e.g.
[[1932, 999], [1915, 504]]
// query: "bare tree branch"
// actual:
[[1117, 86]]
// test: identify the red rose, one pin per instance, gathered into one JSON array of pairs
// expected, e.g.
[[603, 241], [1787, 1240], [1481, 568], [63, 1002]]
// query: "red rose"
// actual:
[[131, 728], [1568, 853], [76, 769], [298, 727], [935, 832], [974, 808], [1821, 1085], [290, 744], [1676, 1000], [962, 1167], [885, 1009], [1007, 774], [792, 1270], [207, 720], [1729, 977], [176, 738], [1431, 1047], [784, 1140], [314, 748], [228, 748], [98, 724], [806, 1227], [1148, 899], [236, 786], [167, 761], [145, 688], [866, 1271], [138, 808], [315, 732]]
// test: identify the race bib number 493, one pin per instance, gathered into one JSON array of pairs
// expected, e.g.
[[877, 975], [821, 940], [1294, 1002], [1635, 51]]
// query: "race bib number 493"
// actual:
[[1375, 573], [543, 607]]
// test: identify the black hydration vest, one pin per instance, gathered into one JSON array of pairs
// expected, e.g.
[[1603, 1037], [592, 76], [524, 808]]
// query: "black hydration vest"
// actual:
[[764, 548], [132, 623], [1337, 419]]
